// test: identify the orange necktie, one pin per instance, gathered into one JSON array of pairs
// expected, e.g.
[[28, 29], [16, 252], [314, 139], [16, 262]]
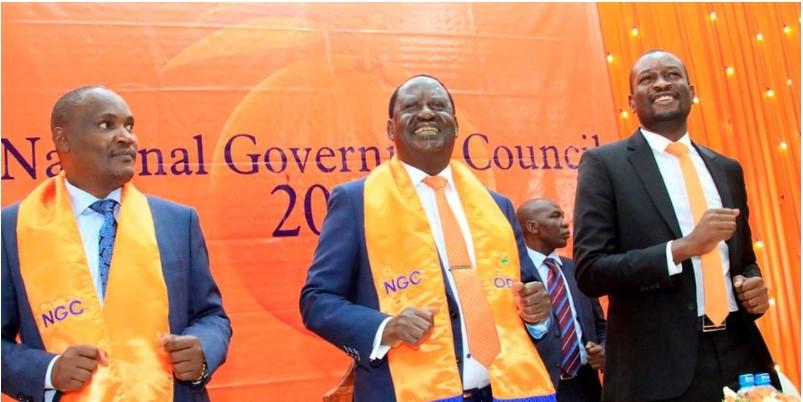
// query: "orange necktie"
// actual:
[[483, 342], [716, 299]]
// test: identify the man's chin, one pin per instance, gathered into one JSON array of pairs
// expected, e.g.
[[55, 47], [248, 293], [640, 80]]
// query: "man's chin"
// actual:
[[669, 115], [123, 176]]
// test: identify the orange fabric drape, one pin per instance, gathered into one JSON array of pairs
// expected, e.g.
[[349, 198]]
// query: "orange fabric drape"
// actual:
[[744, 60]]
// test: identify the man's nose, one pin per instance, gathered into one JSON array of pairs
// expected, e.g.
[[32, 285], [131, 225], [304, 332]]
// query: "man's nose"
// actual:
[[127, 137], [661, 84], [425, 113]]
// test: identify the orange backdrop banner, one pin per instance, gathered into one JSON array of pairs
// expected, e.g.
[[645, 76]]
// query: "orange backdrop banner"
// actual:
[[253, 112]]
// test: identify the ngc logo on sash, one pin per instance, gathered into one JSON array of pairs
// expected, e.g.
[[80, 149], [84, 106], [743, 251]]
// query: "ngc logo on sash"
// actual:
[[402, 282], [62, 311]]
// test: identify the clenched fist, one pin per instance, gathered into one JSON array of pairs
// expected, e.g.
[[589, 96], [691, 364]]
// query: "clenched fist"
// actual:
[[76, 366], [532, 301], [186, 355], [412, 326]]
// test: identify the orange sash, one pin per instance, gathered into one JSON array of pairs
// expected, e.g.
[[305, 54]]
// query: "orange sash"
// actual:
[[65, 306], [407, 272]]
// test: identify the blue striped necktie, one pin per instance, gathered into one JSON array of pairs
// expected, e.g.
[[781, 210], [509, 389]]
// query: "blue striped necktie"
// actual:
[[569, 345], [106, 243]]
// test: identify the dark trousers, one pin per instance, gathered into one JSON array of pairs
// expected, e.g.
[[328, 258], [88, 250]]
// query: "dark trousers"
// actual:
[[721, 357], [584, 387]]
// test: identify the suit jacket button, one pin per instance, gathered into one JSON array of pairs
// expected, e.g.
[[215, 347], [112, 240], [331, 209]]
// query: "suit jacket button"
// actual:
[[453, 315], [691, 306], [459, 362]]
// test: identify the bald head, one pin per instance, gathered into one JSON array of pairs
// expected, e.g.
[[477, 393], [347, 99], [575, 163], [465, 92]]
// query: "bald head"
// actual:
[[65, 106], [531, 208], [93, 131], [543, 224]]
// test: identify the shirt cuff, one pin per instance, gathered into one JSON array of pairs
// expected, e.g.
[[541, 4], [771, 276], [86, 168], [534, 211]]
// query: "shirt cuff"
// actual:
[[379, 351], [537, 331], [48, 382], [671, 267]]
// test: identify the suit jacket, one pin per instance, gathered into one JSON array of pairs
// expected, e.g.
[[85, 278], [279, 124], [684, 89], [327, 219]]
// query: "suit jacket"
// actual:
[[589, 315], [194, 301], [339, 301], [623, 219]]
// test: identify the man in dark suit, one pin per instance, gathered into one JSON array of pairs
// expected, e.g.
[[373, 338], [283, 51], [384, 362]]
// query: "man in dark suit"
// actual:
[[385, 239], [102, 283], [546, 230], [647, 219]]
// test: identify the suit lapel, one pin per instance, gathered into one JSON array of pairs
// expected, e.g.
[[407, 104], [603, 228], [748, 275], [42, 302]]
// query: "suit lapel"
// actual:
[[714, 166], [643, 161]]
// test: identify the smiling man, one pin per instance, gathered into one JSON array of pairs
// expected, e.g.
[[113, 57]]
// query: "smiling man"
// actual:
[[421, 274], [661, 227], [109, 290]]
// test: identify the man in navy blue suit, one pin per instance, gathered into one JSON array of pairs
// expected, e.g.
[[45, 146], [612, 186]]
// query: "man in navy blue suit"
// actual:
[[342, 297], [145, 325], [546, 230]]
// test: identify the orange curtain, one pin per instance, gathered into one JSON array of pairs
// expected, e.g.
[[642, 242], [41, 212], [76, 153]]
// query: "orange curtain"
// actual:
[[744, 60]]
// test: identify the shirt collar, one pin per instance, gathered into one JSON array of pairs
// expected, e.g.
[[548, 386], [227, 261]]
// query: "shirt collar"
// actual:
[[417, 175], [538, 258], [658, 142], [81, 200]]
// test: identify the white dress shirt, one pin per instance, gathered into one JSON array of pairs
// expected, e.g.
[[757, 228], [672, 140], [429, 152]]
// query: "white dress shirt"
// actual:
[[669, 166], [89, 223], [543, 271]]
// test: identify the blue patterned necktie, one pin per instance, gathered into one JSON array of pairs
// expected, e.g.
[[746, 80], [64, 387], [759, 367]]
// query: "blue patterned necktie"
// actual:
[[106, 243], [569, 346]]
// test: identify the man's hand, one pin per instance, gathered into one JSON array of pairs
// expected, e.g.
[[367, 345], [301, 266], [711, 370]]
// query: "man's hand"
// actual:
[[186, 355], [75, 367], [532, 300], [752, 293], [413, 325], [596, 355], [716, 225]]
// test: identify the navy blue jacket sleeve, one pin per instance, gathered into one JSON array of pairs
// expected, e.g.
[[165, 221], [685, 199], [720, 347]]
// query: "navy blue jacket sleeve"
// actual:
[[23, 366], [328, 298], [207, 319]]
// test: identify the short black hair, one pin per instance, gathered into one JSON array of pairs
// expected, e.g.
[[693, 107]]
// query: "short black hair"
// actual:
[[63, 106], [651, 51], [393, 97]]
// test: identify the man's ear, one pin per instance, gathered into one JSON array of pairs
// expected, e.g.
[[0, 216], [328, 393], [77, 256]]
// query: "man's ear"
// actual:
[[632, 103], [60, 139], [532, 227], [390, 130]]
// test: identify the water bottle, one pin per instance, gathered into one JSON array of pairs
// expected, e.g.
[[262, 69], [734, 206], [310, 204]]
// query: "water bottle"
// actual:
[[746, 383], [763, 380]]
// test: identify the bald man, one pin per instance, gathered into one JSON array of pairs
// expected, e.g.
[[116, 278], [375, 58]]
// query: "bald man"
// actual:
[[108, 290], [574, 375]]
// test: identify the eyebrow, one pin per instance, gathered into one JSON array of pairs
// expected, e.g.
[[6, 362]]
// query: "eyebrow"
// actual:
[[114, 116]]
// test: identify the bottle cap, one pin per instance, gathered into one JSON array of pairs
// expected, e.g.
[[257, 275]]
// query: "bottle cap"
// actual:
[[746, 381], [762, 379]]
